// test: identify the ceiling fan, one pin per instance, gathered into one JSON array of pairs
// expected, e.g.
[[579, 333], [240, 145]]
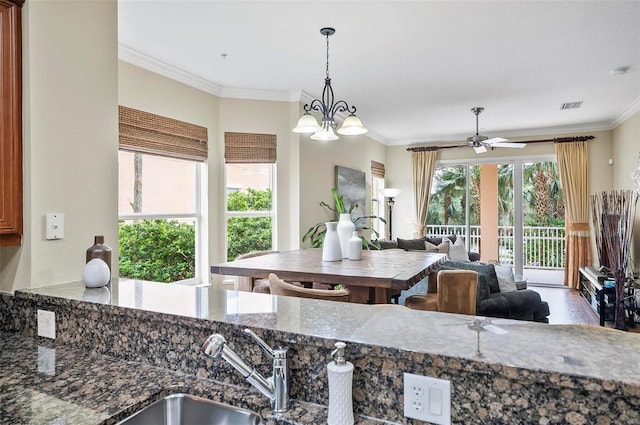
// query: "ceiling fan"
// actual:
[[480, 143]]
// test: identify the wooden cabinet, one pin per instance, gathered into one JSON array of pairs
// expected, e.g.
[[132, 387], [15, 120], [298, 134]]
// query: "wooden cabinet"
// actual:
[[11, 127]]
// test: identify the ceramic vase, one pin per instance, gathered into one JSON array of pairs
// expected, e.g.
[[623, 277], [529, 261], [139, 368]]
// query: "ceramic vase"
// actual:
[[331, 250], [355, 247], [345, 230]]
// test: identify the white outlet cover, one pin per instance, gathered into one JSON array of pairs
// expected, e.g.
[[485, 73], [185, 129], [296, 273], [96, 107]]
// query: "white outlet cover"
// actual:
[[427, 399], [47, 324]]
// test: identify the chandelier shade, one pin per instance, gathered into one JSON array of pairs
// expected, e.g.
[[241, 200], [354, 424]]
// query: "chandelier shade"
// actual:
[[352, 126], [328, 107], [325, 134], [307, 124]]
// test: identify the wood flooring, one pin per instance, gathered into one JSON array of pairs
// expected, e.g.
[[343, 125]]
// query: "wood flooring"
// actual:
[[568, 307]]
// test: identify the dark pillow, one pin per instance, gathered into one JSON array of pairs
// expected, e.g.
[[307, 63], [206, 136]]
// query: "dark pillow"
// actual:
[[437, 241], [385, 244], [412, 244]]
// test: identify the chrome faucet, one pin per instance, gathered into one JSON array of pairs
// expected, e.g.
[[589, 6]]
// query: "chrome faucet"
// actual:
[[275, 388]]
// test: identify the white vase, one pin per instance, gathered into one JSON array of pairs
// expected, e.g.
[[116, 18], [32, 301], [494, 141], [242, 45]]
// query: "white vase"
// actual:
[[345, 230], [331, 250], [355, 247], [96, 273]]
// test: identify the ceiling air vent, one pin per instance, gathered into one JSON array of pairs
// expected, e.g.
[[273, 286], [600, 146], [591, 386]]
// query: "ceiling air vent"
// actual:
[[570, 105]]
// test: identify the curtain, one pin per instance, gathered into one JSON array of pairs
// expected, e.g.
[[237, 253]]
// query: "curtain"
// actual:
[[572, 164], [423, 166]]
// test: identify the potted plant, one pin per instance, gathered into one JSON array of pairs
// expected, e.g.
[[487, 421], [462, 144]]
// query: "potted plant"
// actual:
[[316, 233]]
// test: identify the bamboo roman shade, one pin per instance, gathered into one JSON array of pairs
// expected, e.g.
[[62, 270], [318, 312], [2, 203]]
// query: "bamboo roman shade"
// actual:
[[243, 148], [377, 169], [149, 133]]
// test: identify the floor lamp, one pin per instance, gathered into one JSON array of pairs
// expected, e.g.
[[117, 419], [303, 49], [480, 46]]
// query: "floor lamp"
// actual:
[[390, 193]]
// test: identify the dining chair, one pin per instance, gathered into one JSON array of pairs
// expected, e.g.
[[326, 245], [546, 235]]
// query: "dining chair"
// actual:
[[280, 287], [456, 293], [251, 284]]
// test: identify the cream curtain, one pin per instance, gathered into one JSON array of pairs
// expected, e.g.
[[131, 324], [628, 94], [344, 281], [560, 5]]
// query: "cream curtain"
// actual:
[[422, 165], [572, 163]]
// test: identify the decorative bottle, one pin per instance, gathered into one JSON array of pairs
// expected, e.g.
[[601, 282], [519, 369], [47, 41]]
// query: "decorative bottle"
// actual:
[[355, 247], [340, 374], [345, 230], [100, 250], [331, 250]]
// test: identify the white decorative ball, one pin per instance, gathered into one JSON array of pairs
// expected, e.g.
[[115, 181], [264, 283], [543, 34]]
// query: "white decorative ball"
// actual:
[[96, 273]]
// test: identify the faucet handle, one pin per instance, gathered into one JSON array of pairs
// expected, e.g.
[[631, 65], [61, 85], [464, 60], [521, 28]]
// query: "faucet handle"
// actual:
[[260, 342]]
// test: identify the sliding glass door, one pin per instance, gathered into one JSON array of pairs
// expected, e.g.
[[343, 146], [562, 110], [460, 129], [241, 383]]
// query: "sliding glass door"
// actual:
[[510, 211]]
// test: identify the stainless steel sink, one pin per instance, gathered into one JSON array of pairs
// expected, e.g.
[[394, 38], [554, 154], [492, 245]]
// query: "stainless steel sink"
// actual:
[[185, 409]]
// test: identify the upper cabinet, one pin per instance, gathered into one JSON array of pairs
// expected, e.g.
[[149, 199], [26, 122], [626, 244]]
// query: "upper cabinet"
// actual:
[[11, 127]]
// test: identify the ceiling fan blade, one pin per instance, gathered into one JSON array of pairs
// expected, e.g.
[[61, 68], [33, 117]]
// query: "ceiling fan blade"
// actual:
[[509, 145], [480, 149], [495, 140]]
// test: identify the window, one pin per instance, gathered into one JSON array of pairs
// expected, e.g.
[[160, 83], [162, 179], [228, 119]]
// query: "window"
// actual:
[[377, 199], [250, 168], [161, 187]]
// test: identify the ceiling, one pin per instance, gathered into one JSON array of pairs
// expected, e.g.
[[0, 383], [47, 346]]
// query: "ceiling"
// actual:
[[413, 69]]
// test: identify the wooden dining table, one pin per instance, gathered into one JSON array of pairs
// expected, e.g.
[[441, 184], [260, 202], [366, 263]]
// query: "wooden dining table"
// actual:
[[370, 280]]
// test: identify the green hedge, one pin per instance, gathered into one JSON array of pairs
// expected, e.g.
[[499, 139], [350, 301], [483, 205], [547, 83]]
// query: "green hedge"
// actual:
[[157, 250]]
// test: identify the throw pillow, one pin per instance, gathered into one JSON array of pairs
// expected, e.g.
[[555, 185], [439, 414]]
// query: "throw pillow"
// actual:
[[506, 280], [412, 244], [458, 251], [441, 248]]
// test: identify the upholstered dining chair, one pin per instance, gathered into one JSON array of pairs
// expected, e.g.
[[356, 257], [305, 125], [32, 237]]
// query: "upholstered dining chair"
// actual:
[[456, 293], [250, 284], [280, 287]]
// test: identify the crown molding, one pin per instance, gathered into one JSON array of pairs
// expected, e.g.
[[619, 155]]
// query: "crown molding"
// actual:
[[627, 113], [257, 94], [141, 60]]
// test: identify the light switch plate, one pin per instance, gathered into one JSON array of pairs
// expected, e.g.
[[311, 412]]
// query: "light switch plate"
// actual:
[[47, 324], [427, 399]]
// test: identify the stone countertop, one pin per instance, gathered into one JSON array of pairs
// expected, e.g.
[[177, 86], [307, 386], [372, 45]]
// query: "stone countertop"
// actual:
[[41, 383], [573, 350]]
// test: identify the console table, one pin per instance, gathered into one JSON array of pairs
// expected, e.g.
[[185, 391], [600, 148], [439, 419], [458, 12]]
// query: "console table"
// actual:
[[590, 287]]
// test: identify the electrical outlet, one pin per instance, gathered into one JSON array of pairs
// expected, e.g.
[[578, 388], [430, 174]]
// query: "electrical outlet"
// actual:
[[427, 399], [47, 324]]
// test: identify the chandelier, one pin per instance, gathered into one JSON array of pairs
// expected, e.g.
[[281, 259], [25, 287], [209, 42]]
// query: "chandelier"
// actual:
[[352, 126]]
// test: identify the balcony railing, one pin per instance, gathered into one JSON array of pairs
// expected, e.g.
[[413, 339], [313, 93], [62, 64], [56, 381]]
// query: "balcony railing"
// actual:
[[544, 247]]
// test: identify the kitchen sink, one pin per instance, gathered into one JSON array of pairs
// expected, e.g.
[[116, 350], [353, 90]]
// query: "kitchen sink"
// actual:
[[185, 409]]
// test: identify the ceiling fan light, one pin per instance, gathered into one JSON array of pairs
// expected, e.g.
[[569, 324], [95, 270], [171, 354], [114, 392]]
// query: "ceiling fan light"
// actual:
[[352, 126], [324, 135], [307, 124]]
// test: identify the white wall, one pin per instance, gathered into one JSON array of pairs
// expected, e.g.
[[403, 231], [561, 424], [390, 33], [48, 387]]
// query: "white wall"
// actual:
[[70, 139], [626, 148], [317, 173]]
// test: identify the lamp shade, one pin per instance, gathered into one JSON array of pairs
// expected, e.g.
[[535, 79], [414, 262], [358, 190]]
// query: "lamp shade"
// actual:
[[352, 126], [325, 134], [390, 192], [307, 124]]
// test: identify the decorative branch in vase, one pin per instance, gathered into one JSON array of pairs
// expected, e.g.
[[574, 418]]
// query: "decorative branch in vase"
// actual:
[[315, 234], [613, 215]]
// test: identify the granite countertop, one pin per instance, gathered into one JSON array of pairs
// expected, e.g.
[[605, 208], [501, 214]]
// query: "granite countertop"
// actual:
[[41, 383], [581, 351]]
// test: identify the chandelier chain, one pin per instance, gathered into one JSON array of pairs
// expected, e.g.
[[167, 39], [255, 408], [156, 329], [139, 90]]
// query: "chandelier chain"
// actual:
[[327, 55]]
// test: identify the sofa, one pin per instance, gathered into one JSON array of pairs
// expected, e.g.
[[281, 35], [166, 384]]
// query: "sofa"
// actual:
[[491, 301], [429, 244]]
